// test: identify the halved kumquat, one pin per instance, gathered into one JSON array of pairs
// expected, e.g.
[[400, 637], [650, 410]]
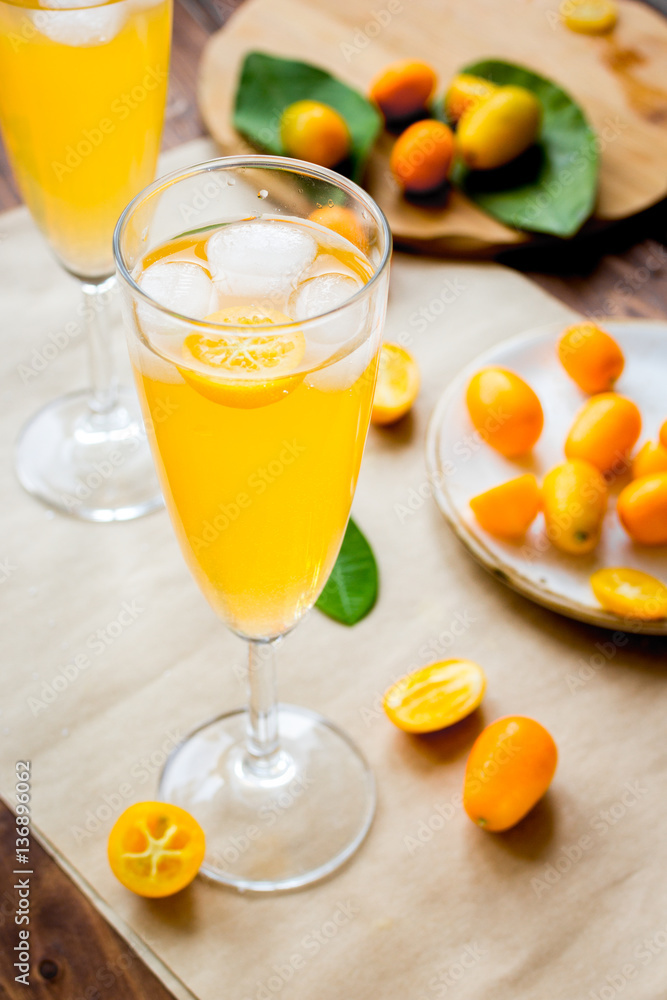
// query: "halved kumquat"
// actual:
[[630, 593], [397, 384], [508, 510], [155, 848], [435, 696], [589, 17], [245, 370]]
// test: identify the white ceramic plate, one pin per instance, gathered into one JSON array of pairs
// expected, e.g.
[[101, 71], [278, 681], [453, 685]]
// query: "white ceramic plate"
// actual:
[[460, 467]]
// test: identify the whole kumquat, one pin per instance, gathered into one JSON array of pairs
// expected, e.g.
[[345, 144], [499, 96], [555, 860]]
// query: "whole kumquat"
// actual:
[[343, 221], [651, 458], [422, 156], [663, 435], [630, 593], [574, 501], [591, 357], [500, 128], [404, 88], [435, 696], [465, 92], [508, 510], [316, 132], [155, 848], [510, 767], [589, 17], [604, 431], [642, 509], [505, 410]]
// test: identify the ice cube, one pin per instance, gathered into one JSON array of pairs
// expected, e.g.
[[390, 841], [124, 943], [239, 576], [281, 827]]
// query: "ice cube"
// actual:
[[181, 286], [98, 24], [319, 295], [344, 373], [259, 259]]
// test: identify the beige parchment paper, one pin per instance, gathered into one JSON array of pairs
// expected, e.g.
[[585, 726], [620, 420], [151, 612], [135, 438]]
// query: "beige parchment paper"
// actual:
[[110, 655]]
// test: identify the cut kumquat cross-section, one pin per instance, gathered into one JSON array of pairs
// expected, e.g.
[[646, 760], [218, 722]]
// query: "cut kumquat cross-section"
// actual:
[[630, 593], [435, 696], [397, 385], [508, 510], [155, 848], [238, 361]]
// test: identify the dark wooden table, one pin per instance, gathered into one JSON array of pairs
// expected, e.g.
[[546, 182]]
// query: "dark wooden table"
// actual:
[[620, 271]]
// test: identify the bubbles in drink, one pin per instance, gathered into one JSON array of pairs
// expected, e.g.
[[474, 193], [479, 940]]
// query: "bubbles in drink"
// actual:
[[260, 259]]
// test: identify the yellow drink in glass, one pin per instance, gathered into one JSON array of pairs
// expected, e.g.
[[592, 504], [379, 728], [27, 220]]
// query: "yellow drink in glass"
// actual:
[[82, 94], [254, 337], [259, 475]]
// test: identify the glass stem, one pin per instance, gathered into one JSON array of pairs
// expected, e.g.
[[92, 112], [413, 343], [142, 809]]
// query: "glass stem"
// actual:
[[97, 299], [262, 741]]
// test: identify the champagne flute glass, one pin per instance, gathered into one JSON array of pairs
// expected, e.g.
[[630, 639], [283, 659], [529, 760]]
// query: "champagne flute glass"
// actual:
[[82, 94], [257, 394]]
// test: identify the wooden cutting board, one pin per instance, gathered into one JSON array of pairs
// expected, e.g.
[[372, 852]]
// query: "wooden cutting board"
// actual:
[[620, 80]]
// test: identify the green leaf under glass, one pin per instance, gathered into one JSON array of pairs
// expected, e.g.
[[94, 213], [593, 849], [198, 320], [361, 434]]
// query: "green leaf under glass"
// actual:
[[269, 84], [552, 187], [352, 589]]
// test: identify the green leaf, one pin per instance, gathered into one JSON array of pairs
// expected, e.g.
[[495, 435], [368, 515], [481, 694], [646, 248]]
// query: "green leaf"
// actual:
[[268, 85], [352, 589], [552, 187]]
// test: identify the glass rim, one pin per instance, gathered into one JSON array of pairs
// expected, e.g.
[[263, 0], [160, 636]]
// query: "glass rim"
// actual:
[[252, 161]]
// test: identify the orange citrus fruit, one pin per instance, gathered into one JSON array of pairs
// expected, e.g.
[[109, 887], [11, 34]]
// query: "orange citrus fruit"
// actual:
[[155, 849], [397, 384], [508, 510], [435, 696], [313, 131], [246, 369], [422, 155], [604, 431], [651, 457], [591, 357], [505, 411], [589, 17], [642, 508], [509, 769], [663, 435], [342, 221], [465, 92], [630, 593], [574, 500], [403, 88]]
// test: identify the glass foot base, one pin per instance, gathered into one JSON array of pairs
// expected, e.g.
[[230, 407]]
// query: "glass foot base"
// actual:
[[293, 824], [94, 466]]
